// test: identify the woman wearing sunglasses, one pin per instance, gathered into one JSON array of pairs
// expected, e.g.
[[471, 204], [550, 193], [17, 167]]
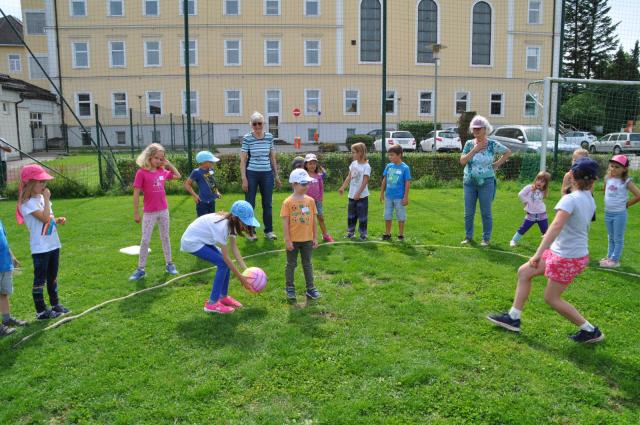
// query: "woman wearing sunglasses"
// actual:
[[259, 171]]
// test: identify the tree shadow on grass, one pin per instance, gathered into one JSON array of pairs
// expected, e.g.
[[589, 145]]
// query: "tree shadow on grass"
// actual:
[[9, 352]]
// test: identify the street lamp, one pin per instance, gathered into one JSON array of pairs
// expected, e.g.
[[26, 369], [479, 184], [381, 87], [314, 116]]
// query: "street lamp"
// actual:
[[435, 49]]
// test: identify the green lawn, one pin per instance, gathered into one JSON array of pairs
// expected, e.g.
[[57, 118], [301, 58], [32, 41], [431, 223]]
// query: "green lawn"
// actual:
[[398, 337]]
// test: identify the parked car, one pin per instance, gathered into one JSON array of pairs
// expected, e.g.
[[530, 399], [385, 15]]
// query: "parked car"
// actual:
[[402, 138], [441, 141], [377, 133], [616, 143], [579, 138], [528, 138]]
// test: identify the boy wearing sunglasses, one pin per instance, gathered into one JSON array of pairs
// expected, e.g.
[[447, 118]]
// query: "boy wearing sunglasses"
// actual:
[[298, 215]]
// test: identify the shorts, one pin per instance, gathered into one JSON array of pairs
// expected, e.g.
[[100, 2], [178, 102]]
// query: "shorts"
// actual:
[[319, 208], [563, 270], [394, 204], [6, 283]]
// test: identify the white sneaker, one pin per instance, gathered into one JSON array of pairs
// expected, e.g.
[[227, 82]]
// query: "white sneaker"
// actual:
[[252, 238], [465, 242], [513, 243], [484, 243], [271, 236]]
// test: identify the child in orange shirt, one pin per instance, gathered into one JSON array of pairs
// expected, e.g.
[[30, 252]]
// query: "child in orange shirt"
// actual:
[[298, 214]]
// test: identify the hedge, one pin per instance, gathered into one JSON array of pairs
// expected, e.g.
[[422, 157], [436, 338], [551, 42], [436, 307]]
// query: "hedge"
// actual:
[[359, 138]]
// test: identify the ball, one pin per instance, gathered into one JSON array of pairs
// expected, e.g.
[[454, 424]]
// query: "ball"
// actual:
[[257, 279]]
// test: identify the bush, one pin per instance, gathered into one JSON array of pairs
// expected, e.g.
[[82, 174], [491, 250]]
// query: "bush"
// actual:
[[419, 129], [359, 138], [327, 147]]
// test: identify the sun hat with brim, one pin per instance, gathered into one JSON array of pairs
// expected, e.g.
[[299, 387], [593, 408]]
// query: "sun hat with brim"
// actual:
[[310, 157], [205, 156], [479, 122], [301, 176], [244, 211], [585, 169], [33, 172], [620, 159]]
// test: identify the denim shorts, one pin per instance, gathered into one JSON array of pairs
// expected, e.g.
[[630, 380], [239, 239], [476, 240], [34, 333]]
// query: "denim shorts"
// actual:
[[394, 204], [6, 283], [319, 208]]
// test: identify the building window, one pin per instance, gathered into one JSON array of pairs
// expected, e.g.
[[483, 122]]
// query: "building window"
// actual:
[[234, 135], [232, 102], [193, 103], [121, 137], [78, 7], [152, 53], [427, 30], [117, 55], [462, 102], [481, 38], [192, 7], [151, 8], [35, 22], [351, 102], [232, 7], [83, 105], [272, 7], [370, 31], [312, 53], [530, 106], [120, 106], [193, 52], [35, 123], [272, 52], [311, 7], [496, 104], [535, 11], [311, 133], [390, 106], [80, 54], [232, 54], [533, 58], [35, 73], [312, 102], [273, 102], [426, 103], [15, 65], [115, 7], [351, 132], [154, 103]]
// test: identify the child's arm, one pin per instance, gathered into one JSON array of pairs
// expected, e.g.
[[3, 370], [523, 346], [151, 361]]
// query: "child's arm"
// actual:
[[286, 233], [274, 167], [188, 185], [345, 183], [365, 181], [383, 187], [556, 226], [229, 263], [15, 261], [315, 230], [174, 170], [44, 215], [524, 193], [407, 185], [636, 193], [136, 202], [566, 183]]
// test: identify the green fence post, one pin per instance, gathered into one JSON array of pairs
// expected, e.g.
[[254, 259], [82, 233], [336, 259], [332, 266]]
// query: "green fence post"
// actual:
[[99, 148], [383, 144], [184, 135], [131, 132], [187, 78], [173, 147]]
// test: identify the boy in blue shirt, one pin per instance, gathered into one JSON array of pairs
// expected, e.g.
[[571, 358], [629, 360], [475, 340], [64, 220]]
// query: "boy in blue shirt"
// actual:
[[204, 177], [7, 263], [395, 191]]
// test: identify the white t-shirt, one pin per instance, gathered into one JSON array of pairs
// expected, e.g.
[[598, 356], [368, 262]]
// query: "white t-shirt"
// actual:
[[43, 237], [573, 240], [358, 171], [209, 229], [615, 195]]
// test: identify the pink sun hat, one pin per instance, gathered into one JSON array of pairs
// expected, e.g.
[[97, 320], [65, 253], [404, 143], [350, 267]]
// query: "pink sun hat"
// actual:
[[620, 159]]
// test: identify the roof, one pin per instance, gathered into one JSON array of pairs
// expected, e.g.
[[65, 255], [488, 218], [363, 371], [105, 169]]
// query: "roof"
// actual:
[[28, 90], [7, 36]]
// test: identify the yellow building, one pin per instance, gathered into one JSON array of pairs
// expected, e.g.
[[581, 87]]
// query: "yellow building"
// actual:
[[321, 56], [12, 52]]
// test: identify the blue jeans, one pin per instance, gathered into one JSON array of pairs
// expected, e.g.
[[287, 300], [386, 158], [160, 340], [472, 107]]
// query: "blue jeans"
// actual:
[[485, 194], [616, 223], [213, 255], [203, 208], [262, 180]]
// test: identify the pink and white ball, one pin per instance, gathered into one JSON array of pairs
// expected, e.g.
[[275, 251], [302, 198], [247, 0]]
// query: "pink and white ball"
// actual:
[[257, 279]]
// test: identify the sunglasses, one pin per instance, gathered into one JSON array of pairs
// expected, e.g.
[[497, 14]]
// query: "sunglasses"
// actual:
[[255, 124], [303, 184]]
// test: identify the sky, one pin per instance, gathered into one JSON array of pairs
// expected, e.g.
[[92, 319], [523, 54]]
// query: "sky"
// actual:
[[625, 11]]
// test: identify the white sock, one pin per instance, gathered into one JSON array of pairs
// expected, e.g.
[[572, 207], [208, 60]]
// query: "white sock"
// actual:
[[586, 326], [514, 313]]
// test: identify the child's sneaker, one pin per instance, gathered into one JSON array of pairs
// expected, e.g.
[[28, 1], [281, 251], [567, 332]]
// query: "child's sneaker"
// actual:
[[401, 238], [313, 293], [513, 243], [60, 309], [271, 236], [137, 274], [231, 302], [13, 322], [586, 337], [217, 307], [252, 238], [363, 238], [6, 330], [466, 241], [609, 263], [349, 235], [386, 237], [505, 321], [484, 243], [171, 269], [47, 314], [327, 238], [291, 293]]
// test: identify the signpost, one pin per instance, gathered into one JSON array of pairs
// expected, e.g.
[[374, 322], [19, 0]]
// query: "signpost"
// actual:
[[297, 141]]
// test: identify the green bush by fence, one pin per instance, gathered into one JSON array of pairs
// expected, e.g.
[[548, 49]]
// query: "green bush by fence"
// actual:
[[359, 138]]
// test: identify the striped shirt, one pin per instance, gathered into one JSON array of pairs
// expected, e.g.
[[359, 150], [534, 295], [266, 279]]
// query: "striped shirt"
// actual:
[[258, 150]]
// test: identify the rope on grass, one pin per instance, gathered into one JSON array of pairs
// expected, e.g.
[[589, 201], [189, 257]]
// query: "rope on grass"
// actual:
[[68, 319]]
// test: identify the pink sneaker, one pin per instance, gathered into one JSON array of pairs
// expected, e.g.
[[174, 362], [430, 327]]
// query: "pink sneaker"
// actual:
[[230, 302], [610, 264], [217, 307], [327, 238]]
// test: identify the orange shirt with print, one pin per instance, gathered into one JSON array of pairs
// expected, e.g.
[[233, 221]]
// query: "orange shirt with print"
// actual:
[[302, 215]]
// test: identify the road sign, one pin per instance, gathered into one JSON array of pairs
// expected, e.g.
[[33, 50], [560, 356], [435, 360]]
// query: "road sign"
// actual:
[[296, 112]]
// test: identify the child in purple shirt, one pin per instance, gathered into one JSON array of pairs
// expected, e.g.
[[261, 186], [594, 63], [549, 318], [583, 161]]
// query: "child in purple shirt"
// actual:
[[316, 190], [532, 196]]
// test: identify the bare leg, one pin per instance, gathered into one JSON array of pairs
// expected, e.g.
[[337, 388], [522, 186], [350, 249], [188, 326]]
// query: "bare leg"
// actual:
[[323, 226], [387, 226], [401, 228], [4, 304], [553, 297], [525, 274]]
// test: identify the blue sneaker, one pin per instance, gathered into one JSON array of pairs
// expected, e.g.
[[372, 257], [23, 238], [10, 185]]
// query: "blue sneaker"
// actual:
[[313, 293], [171, 269], [505, 321], [586, 337], [137, 275]]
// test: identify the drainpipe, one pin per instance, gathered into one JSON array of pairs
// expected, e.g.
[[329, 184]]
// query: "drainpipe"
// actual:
[[18, 125]]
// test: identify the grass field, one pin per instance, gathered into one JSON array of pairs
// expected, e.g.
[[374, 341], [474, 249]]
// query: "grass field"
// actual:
[[399, 336]]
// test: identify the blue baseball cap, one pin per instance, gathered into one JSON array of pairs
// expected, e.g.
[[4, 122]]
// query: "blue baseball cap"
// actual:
[[244, 211], [204, 156], [585, 168]]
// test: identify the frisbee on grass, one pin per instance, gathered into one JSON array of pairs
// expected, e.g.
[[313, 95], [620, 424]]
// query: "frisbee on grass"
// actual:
[[132, 250]]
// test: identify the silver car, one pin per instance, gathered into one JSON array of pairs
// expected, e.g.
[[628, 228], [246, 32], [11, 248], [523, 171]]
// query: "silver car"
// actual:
[[616, 143], [528, 138], [579, 138]]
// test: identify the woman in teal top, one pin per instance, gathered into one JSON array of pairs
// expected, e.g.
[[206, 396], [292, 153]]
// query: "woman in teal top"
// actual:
[[480, 177]]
